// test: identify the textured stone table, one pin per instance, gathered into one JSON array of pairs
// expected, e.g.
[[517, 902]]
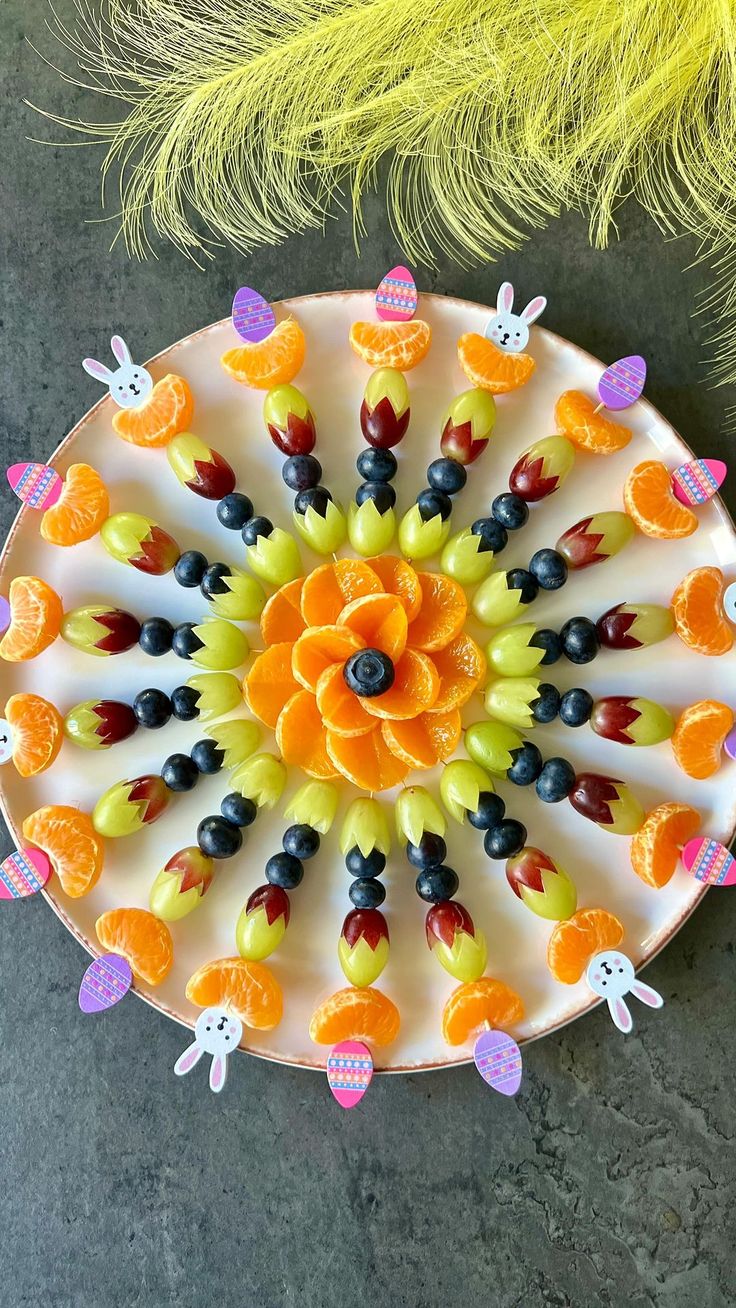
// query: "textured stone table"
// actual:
[[610, 1180]]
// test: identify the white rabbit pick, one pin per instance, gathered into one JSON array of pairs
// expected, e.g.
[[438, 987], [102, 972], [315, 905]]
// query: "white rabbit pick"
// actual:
[[217, 1033], [130, 384], [611, 975], [510, 331]]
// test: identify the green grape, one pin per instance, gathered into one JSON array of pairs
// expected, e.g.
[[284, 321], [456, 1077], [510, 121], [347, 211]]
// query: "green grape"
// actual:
[[419, 539], [223, 645], [510, 700], [188, 868], [262, 923], [365, 825], [363, 946], [314, 803], [416, 812], [369, 531], [129, 805], [463, 559], [324, 534], [510, 654], [631, 720], [261, 778], [460, 786], [139, 542], [238, 739], [531, 868], [494, 604], [243, 598], [275, 558], [219, 693], [491, 745]]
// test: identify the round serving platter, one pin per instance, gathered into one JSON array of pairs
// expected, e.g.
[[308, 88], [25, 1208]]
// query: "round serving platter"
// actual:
[[228, 417]]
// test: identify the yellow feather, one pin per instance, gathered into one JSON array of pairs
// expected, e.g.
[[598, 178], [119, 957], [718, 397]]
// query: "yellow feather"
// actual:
[[244, 120]]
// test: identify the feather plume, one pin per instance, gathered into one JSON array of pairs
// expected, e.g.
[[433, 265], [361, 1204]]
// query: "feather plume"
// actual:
[[246, 120]]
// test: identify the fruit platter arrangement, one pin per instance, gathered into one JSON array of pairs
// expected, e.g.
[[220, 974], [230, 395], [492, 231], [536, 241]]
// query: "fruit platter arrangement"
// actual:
[[416, 741]]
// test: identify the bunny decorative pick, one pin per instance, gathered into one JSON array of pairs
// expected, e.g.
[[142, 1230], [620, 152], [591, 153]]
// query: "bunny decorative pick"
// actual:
[[218, 1033], [611, 975], [130, 385], [6, 741], [510, 331]]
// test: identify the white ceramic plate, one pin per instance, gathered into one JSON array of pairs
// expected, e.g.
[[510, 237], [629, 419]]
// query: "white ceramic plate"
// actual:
[[228, 417]]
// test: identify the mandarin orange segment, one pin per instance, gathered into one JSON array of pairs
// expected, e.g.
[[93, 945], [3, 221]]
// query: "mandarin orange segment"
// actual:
[[281, 618], [301, 736], [698, 738], [399, 578], [492, 369], [270, 682], [38, 730], [366, 761], [697, 611], [400, 345], [655, 849], [141, 938], [443, 612], [576, 417], [355, 1014], [478, 1003], [333, 585], [342, 711], [35, 619], [380, 620], [247, 990], [415, 689], [318, 648], [424, 741], [649, 501], [72, 845], [461, 666], [271, 362], [574, 942], [80, 510], [167, 412]]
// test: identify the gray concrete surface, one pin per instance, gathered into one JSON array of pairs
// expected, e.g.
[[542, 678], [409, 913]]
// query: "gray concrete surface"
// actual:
[[609, 1181]]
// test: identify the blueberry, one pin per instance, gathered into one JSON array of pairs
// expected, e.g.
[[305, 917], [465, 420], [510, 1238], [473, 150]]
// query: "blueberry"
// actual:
[[555, 781], [367, 894], [152, 708], [430, 852], [213, 582], [546, 708], [190, 568], [284, 870], [489, 812], [238, 810], [492, 535], [576, 707], [301, 472], [548, 640], [447, 475], [511, 511], [156, 637], [179, 772], [185, 641], [234, 510], [433, 502], [505, 840], [365, 865], [437, 884], [549, 568], [218, 838], [184, 701], [255, 528], [520, 579], [207, 756], [369, 672], [377, 465], [527, 764], [301, 840], [580, 640], [317, 498], [381, 492]]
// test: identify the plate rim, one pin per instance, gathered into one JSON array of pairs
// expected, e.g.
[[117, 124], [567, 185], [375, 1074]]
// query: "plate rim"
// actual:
[[665, 936]]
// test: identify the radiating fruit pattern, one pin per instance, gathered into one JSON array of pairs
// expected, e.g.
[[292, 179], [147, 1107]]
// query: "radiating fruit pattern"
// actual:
[[368, 674]]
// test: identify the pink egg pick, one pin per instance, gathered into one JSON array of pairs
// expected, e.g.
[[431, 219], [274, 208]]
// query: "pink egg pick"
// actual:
[[698, 481], [349, 1072], [36, 484], [396, 297], [23, 873], [709, 861]]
